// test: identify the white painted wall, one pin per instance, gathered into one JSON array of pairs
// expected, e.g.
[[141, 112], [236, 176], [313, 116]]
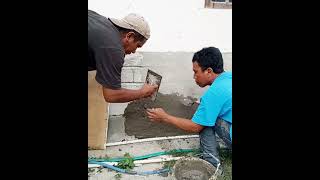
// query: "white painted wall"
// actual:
[[176, 25]]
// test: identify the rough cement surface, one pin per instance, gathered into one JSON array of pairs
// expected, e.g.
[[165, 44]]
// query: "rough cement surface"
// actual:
[[139, 125], [193, 169], [116, 130]]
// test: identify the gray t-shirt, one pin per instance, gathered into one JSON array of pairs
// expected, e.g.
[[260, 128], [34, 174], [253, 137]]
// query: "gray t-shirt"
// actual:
[[105, 51]]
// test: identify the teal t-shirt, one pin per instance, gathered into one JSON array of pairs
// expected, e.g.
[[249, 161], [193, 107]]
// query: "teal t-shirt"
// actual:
[[216, 102]]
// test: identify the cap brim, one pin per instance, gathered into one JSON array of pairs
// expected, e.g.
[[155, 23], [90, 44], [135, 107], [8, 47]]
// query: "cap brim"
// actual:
[[120, 23]]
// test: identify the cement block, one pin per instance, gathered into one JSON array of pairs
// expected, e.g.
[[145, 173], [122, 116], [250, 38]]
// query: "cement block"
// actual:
[[117, 108], [132, 85], [139, 74], [126, 74]]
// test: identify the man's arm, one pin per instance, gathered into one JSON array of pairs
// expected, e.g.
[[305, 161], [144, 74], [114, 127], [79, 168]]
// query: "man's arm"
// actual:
[[126, 95], [159, 115]]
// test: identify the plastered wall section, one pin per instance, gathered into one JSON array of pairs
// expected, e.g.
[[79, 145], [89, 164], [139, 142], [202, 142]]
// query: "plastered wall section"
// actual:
[[175, 68]]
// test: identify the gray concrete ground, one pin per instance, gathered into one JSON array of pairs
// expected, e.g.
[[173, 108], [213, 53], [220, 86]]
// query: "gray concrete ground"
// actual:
[[116, 134]]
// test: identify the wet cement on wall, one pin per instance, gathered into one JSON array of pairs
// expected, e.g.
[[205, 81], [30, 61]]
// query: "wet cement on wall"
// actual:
[[139, 125]]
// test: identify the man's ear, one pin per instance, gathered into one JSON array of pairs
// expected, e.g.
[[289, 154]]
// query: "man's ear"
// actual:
[[210, 70], [130, 34]]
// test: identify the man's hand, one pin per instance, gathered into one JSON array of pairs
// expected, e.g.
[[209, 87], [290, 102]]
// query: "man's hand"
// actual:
[[157, 114], [147, 90]]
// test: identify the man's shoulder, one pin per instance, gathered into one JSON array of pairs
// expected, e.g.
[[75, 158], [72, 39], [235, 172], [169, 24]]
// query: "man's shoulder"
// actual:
[[99, 23], [90, 12], [226, 75], [94, 15], [103, 34], [223, 81], [220, 89]]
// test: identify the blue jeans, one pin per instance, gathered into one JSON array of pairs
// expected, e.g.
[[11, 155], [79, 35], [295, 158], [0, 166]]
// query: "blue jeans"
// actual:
[[209, 144]]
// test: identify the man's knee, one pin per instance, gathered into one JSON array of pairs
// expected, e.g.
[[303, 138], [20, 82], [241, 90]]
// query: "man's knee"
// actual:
[[208, 146], [207, 132], [207, 138], [222, 129]]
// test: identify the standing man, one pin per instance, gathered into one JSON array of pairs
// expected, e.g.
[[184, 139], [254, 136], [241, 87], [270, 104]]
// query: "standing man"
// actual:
[[214, 114], [109, 40]]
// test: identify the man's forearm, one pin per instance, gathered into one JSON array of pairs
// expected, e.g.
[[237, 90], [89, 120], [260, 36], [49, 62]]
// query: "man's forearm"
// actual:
[[121, 95], [182, 123]]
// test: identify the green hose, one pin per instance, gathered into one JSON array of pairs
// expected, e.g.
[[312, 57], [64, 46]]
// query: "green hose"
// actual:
[[145, 156]]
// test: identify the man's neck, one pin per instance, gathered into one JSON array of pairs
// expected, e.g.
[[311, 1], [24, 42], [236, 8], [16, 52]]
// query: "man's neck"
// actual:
[[214, 77]]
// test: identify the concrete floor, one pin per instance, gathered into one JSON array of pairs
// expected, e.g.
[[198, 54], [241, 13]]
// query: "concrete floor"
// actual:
[[116, 134]]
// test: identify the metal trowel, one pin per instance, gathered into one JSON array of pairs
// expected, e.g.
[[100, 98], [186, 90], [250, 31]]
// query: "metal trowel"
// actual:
[[153, 79]]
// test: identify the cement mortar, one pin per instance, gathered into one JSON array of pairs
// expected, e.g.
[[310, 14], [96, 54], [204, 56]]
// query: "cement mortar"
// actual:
[[192, 169], [139, 125]]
